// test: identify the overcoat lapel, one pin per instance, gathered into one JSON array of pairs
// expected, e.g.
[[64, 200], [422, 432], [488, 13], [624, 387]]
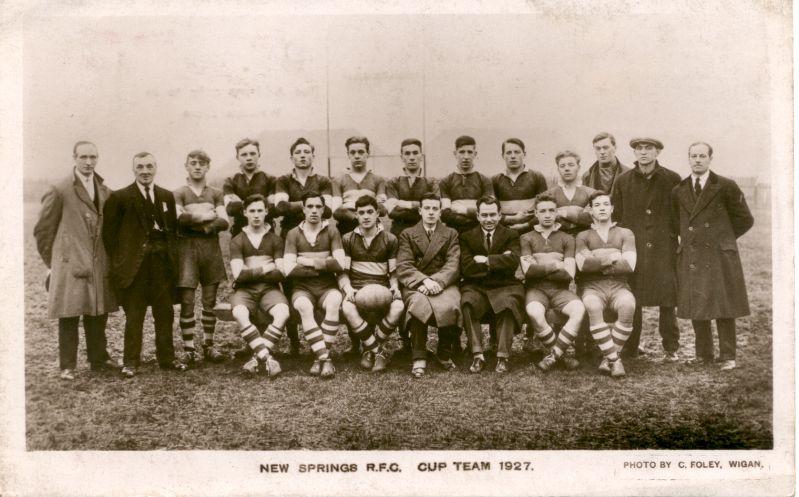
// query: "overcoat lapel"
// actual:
[[138, 204], [686, 196], [710, 191], [433, 245], [83, 195]]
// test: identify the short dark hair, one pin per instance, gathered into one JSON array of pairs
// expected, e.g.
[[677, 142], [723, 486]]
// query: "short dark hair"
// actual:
[[430, 196], [247, 141], [255, 197], [300, 141], [78, 144], [365, 200], [515, 141], [597, 194], [602, 136], [709, 148], [410, 141], [312, 194], [566, 153], [544, 197], [356, 139], [464, 140], [488, 200], [143, 154], [199, 155]]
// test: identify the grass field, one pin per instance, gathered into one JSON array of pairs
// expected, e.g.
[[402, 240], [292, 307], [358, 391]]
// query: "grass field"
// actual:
[[676, 406]]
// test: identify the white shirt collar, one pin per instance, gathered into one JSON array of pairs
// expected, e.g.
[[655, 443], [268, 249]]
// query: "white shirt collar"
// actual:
[[488, 232], [143, 193], [702, 178]]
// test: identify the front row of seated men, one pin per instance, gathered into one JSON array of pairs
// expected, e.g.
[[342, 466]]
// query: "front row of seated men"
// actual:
[[436, 278]]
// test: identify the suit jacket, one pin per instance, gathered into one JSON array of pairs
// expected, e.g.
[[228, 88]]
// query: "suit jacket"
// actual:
[[126, 232], [68, 237], [496, 280], [436, 258], [711, 280]]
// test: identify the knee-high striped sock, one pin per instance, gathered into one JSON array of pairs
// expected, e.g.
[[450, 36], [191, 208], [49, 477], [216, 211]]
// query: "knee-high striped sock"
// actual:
[[604, 340], [187, 324], [620, 334], [255, 341], [384, 330], [316, 340], [566, 337], [365, 333], [272, 336], [330, 330], [546, 336], [208, 320]]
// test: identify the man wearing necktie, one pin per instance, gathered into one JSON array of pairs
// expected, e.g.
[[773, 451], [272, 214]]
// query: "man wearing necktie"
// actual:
[[139, 236], [711, 213], [69, 241], [489, 258]]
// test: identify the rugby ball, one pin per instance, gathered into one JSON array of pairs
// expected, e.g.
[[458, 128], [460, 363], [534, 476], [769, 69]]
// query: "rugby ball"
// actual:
[[373, 300]]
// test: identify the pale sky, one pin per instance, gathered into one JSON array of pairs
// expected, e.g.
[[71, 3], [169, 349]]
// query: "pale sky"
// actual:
[[172, 84]]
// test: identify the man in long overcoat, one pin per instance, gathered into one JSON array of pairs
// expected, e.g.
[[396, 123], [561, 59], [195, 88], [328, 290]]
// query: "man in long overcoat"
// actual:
[[711, 213], [428, 263], [68, 238], [642, 203]]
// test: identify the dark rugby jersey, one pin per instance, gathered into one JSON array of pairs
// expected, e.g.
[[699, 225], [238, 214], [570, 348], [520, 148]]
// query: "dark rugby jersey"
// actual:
[[239, 185], [269, 250], [327, 240], [466, 189], [580, 199], [349, 190], [373, 264], [209, 198], [518, 196], [619, 238], [400, 188], [289, 189], [558, 243]]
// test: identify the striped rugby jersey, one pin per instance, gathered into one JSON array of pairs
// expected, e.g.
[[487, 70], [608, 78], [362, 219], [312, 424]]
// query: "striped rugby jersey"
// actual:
[[269, 250], [209, 198], [517, 196], [372, 264], [327, 240], [619, 238]]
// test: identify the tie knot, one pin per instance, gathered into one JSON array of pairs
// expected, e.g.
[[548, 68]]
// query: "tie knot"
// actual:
[[147, 188]]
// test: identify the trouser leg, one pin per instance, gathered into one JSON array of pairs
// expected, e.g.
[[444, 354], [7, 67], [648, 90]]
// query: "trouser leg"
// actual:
[[68, 342], [506, 325], [703, 344], [726, 329], [418, 332], [161, 302], [474, 331], [94, 329], [449, 336], [669, 332]]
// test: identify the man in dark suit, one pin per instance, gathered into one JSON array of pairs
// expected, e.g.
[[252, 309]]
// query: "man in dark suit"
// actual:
[[711, 213], [489, 259], [139, 236]]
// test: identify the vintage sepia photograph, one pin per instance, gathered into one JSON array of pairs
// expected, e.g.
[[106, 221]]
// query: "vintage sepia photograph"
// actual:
[[306, 242]]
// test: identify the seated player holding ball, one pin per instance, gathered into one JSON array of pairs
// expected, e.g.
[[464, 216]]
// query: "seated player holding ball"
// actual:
[[371, 261], [548, 265], [605, 256], [256, 262]]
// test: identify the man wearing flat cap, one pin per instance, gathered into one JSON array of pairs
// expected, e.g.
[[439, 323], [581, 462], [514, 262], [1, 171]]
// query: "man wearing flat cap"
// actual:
[[642, 203]]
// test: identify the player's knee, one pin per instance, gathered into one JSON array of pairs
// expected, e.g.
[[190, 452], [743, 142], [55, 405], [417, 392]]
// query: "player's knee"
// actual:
[[280, 314], [332, 302], [396, 307], [349, 310], [240, 312], [592, 303], [574, 309], [535, 310], [303, 306]]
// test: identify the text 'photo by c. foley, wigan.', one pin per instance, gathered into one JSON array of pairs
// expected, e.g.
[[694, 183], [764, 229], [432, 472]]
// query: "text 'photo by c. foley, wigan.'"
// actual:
[[547, 230]]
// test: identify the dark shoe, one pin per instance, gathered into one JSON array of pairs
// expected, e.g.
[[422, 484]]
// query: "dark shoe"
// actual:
[[446, 364], [328, 370], [212, 354], [604, 366], [570, 363], [271, 367], [316, 368], [547, 362], [617, 369], [128, 372], [381, 361], [175, 365], [502, 365], [242, 353], [190, 357], [367, 360], [67, 374], [478, 363], [106, 365]]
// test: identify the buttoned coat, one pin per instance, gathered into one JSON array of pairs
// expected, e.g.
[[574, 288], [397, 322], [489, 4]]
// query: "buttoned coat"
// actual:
[[437, 258], [643, 205], [126, 231], [711, 279], [496, 280], [591, 177], [68, 238]]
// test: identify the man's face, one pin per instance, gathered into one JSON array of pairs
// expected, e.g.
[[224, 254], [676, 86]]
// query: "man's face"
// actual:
[[367, 216], [144, 169], [605, 151], [430, 211], [513, 156], [568, 168], [85, 158], [412, 157], [465, 156], [699, 157], [197, 168], [302, 156], [488, 216], [646, 153], [313, 209], [255, 214], [358, 155], [546, 212], [601, 208], [248, 156]]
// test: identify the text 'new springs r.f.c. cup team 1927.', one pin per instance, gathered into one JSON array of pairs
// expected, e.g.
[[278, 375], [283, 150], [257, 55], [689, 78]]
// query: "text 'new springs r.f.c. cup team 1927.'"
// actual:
[[573, 263]]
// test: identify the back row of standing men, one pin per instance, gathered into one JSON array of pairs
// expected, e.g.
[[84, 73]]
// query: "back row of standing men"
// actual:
[[648, 199]]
